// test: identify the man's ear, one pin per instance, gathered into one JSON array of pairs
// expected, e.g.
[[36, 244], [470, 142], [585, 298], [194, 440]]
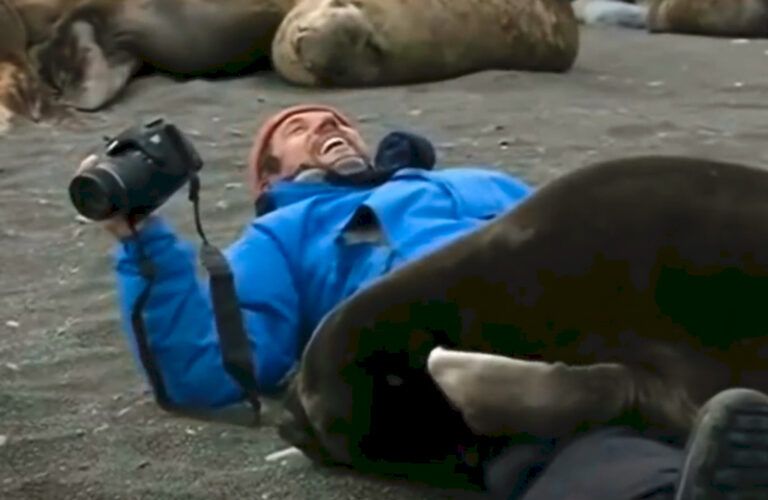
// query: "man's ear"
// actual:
[[270, 166], [268, 169]]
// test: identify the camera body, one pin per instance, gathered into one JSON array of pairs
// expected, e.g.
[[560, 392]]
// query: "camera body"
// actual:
[[136, 173]]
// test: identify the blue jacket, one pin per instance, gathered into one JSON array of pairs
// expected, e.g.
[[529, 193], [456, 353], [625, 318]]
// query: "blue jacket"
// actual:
[[293, 265]]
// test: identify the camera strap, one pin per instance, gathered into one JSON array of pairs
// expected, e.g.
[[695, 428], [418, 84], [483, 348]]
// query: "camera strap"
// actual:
[[235, 348], [147, 271]]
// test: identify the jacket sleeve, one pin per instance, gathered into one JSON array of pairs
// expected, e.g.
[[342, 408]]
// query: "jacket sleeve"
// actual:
[[179, 319]]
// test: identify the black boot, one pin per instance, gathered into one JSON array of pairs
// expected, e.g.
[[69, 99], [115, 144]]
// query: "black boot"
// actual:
[[727, 451]]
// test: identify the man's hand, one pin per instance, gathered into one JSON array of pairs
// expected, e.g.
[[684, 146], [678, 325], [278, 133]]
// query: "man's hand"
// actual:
[[117, 226]]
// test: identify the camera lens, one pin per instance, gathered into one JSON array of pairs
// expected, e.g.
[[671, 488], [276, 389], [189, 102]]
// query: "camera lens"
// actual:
[[95, 193]]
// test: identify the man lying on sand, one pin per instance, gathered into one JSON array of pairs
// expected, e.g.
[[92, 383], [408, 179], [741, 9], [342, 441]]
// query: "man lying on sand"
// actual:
[[315, 242]]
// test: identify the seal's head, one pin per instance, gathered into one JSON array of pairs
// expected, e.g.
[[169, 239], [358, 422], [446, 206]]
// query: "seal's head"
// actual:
[[329, 42], [84, 62], [297, 429], [21, 93], [299, 139]]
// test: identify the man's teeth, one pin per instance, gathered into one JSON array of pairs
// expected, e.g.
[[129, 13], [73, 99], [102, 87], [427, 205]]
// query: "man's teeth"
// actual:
[[331, 143]]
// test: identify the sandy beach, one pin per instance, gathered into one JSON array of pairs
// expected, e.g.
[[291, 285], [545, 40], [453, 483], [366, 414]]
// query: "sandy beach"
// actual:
[[76, 421]]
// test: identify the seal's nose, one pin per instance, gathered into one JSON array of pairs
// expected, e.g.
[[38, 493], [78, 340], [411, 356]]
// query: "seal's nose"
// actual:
[[320, 51]]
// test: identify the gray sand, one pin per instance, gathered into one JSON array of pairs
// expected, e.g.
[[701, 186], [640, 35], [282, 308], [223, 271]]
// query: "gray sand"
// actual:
[[75, 418]]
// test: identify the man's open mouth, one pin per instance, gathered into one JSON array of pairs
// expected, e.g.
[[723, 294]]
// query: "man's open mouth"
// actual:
[[331, 144]]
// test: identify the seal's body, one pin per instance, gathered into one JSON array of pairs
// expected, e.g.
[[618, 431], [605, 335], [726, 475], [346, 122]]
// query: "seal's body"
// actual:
[[21, 92], [720, 18], [99, 45], [640, 282], [380, 42], [40, 16], [727, 18]]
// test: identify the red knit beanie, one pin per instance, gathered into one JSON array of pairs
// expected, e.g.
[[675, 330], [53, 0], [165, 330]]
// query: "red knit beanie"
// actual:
[[264, 136]]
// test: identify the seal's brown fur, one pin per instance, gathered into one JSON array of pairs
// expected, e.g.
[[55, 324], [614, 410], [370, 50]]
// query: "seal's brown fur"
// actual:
[[99, 45], [40, 16], [655, 265], [21, 93], [729, 18], [379, 42]]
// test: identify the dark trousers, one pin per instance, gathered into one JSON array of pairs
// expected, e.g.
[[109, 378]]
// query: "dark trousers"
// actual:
[[608, 464]]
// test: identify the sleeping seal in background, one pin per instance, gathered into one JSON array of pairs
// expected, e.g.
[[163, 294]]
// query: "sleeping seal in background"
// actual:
[[629, 291], [100, 44], [380, 42], [21, 93], [727, 18], [24, 26], [40, 16]]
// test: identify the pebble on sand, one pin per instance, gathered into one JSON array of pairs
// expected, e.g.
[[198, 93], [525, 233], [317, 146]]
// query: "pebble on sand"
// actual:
[[285, 453]]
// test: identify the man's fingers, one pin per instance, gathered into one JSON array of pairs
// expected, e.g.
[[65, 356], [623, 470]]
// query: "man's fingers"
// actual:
[[88, 162]]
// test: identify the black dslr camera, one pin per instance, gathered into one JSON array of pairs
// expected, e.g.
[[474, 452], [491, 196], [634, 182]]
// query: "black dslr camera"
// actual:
[[138, 171]]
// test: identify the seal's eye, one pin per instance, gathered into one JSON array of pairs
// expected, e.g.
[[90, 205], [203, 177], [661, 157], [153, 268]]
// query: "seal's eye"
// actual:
[[374, 47]]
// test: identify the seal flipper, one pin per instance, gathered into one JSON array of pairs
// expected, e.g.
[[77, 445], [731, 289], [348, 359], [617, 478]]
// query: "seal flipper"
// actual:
[[105, 74], [88, 75], [500, 395]]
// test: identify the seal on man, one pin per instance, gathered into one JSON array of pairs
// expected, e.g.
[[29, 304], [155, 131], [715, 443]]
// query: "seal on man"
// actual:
[[99, 45], [378, 42], [629, 291]]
